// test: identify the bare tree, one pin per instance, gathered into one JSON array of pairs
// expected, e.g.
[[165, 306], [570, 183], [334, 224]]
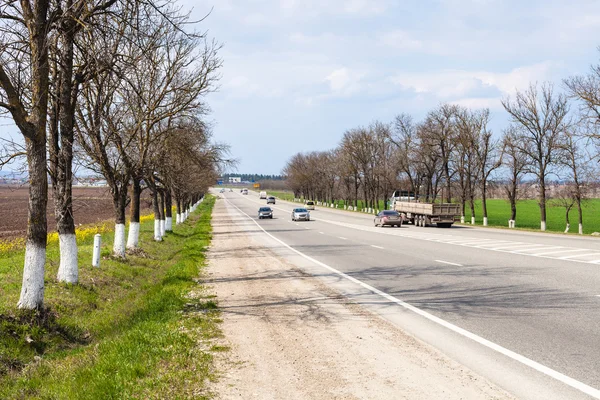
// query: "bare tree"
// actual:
[[25, 31], [544, 118], [515, 161]]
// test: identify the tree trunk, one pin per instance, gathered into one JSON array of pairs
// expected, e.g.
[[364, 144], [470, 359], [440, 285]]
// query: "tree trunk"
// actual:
[[119, 203], [169, 211], [133, 237], [161, 202], [484, 202], [33, 128], [156, 206], [542, 204], [32, 290], [580, 215]]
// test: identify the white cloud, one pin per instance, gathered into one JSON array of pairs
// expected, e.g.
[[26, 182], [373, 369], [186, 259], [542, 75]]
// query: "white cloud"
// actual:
[[399, 39], [449, 84], [344, 82]]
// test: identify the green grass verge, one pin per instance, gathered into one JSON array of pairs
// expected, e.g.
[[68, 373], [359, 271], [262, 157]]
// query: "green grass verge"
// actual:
[[528, 215], [129, 330]]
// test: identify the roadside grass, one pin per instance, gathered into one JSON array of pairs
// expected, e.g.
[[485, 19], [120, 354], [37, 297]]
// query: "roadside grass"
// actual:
[[129, 329], [528, 214]]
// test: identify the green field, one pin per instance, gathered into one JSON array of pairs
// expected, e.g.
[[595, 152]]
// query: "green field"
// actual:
[[129, 329], [528, 214]]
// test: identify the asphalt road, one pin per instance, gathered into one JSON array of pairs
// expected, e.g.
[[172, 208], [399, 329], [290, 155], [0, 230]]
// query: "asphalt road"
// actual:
[[521, 309]]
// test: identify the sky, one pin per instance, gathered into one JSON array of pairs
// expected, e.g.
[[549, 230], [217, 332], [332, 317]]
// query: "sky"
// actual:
[[298, 73]]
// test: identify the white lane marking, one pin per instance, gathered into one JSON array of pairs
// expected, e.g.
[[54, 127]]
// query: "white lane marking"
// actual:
[[343, 238], [448, 262], [377, 247], [567, 380], [579, 255], [306, 228], [531, 248], [564, 250], [322, 233]]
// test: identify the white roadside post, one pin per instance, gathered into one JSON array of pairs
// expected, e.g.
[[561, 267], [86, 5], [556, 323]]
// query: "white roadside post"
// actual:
[[472, 220], [485, 221], [96, 253]]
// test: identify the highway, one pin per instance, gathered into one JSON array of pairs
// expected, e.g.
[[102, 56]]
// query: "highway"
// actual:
[[521, 309]]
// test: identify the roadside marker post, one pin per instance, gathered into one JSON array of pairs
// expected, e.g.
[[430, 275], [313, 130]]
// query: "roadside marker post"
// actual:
[[96, 254]]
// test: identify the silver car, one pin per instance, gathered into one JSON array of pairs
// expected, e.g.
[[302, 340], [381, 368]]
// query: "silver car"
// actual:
[[388, 217], [270, 200], [265, 212], [300, 214]]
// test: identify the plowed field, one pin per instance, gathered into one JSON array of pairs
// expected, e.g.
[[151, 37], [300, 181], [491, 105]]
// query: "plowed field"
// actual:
[[90, 205]]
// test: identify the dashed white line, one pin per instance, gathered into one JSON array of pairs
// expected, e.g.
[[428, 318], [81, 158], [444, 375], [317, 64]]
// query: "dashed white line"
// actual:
[[449, 263], [377, 247], [322, 233], [343, 238], [567, 380]]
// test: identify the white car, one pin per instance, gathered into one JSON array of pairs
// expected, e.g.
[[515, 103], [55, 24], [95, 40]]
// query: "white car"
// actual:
[[310, 205], [300, 214]]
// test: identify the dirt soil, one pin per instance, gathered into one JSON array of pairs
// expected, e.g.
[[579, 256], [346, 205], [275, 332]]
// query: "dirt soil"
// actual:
[[90, 205], [292, 337]]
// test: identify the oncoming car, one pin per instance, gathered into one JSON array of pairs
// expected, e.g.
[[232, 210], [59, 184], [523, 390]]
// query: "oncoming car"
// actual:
[[310, 205], [388, 217], [300, 214], [265, 212], [270, 200]]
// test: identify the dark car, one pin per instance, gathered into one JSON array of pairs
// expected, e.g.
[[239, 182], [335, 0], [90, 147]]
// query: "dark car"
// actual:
[[265, 212], [388, 217]]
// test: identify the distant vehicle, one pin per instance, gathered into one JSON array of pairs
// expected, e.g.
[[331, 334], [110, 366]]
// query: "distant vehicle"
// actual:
[[270, 200], [222, 191], [300, 214], [241, 190], [231, 190], [388, 217], [423, 214], [265, 212], [262, 195], [244, 191], [310, 205]]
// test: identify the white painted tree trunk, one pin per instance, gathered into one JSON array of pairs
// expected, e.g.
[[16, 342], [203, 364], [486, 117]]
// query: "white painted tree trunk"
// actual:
[[472, 220], [462, 219], [485, 221], [169, 224], [581, 229], [32, 290], [157, 235], [133, 236], [567, 228], [163, 227], [119, 244], [68, 270], [178, 219], [543, 225]]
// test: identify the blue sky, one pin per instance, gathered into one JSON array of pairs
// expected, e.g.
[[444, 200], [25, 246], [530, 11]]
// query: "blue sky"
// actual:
[[298, 73]]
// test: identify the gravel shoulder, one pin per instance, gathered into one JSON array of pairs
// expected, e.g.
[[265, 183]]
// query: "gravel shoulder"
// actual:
[[292, 337]]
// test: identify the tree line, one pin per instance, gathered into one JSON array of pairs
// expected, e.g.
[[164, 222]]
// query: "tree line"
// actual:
[[118, 87], [452, 154]]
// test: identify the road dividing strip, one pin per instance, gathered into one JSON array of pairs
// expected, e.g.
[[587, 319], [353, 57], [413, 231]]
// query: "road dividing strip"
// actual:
[[575, 384], [449, 263]]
